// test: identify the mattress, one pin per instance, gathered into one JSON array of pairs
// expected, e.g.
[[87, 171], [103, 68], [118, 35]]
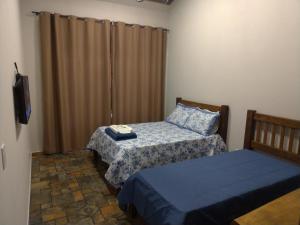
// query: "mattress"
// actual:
[[157, 143], [209, 191]]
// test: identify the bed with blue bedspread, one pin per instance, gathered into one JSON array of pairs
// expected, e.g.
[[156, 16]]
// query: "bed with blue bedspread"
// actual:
[[158, 143], [208, 191]]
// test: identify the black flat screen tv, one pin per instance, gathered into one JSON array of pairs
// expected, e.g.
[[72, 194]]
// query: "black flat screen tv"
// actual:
[[22, 99]]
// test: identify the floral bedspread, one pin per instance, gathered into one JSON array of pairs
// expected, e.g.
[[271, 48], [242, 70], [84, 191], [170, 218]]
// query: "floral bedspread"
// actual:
[[158, 143]]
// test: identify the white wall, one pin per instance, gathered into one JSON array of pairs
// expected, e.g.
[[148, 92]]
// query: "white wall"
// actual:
[[238, 52], [116, 10], [15, 180]]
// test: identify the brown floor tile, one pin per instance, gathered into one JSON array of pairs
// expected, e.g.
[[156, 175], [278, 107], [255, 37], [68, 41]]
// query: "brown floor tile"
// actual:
[[61, 221], [77, 196], [110, 211], [40, 185], [68, 190], [53, 214]]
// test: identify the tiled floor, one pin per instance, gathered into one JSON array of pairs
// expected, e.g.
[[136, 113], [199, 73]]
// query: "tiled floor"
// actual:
[[67, 189]]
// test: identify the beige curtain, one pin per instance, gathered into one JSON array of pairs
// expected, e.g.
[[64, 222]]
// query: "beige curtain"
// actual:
[[76, 75], [138, 69]]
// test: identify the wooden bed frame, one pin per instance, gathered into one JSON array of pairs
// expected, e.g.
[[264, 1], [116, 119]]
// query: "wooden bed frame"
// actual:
[[223, 109], [273, 135], [277, 136], [223, 125]]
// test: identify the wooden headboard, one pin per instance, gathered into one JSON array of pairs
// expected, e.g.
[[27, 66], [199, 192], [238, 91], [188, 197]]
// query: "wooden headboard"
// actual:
[[274, 135], [223, 109]]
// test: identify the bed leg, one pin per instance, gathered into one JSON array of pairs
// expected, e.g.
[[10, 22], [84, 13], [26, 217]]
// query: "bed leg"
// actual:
[[132, 211], [96, 156], [102, 167]]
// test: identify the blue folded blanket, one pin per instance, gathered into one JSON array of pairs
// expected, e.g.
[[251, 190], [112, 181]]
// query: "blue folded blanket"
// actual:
[[120, 137]]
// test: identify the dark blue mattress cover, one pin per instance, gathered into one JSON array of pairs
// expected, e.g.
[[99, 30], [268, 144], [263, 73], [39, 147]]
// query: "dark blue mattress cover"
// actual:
[[209, 191]]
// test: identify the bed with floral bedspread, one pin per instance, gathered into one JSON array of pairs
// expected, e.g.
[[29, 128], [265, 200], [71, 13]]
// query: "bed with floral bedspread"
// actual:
[[158, 143]]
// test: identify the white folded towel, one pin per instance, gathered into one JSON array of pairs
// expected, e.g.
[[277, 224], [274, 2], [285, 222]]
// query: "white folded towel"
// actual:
[[122, 129]]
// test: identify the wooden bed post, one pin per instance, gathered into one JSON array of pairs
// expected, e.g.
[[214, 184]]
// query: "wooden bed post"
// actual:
[[224, 113], [132, 212], [178, 100], [96, 157], [250, 129]]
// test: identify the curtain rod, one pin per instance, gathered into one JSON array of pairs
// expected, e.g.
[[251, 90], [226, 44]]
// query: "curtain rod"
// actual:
[[112, 22], [36, 13]]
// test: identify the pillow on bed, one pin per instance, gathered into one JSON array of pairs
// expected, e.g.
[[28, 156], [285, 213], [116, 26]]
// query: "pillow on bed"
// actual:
[[203, 122], [180, 115]]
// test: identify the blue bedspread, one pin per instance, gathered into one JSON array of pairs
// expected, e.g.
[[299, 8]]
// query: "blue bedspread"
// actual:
[[157, 143], [209, 191]]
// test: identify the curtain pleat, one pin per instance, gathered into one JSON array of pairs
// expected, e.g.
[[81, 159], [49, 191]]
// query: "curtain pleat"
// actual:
[[138, 70], [76, 74]]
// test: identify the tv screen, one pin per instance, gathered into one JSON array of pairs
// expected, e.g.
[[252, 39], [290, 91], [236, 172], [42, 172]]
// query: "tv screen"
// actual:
[[22, 99]]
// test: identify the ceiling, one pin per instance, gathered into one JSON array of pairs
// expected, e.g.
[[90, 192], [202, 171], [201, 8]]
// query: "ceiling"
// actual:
[[166, 2], [163, 5]]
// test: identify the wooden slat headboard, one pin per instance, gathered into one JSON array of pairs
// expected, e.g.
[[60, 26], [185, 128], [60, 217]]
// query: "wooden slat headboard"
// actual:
[[223, 109], [274, 135]]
